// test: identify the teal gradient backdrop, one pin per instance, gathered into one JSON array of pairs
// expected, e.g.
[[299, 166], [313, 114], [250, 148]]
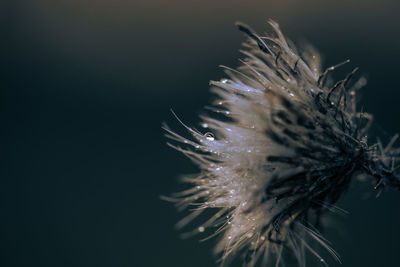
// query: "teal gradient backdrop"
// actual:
[[85, 86]]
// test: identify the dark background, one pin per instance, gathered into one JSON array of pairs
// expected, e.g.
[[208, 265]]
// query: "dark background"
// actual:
[[85, 86]]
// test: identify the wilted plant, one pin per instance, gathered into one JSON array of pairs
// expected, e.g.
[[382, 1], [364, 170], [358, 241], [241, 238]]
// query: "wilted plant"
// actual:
[[279, 153]]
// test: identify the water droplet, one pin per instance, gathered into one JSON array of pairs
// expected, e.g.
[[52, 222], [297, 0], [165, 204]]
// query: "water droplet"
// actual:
[[291, 94], [204, 125], [197, 146], [224, 80], [229, 237], [312, 90], [209, 136], [201, 229], [262, 238]]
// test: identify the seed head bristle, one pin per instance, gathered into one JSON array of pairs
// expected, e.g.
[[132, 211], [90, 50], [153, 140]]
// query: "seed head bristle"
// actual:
[[280, 152]]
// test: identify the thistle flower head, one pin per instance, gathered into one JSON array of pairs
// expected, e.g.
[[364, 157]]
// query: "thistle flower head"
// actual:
[[280, 151]]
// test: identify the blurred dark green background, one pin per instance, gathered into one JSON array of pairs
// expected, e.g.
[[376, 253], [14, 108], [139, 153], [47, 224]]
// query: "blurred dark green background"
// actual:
[[85, 86]]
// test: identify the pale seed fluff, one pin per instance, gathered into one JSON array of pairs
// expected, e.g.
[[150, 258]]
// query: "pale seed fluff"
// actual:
[[279, 151]]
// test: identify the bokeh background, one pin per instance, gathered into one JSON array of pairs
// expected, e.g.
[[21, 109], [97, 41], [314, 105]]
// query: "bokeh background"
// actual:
[[85, 86]]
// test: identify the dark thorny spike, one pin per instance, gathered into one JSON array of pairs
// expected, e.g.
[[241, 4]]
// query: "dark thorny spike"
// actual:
[[247, 30]]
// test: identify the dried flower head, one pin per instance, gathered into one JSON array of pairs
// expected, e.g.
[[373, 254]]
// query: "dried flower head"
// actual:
[[279, 153]]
